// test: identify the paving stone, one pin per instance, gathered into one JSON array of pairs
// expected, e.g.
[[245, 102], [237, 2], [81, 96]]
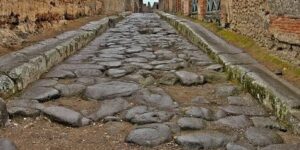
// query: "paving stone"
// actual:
[[6, 144], [240, 101], [191, 123], [199, 100], [23, 107], [150, 135], [262, 137], [112, 89], [68, 90], [3, 113], [168, 79], [189, 78], [137, 110], [136, 59], [282, 147], [65, 116], [245, 110], [45, 82], [235, 121], [237, 146], [142, 65], [111, 119], [206, 140], [41, 94], [116, 73], [200, 112], [152, 117], [134, 49], [147, 55], [173, 126], [227, 90], [111, 64], [61, 74], [265, 122], [116, 56], [117, 50], [109, 108], [88, 73], [156, 97], [86, 81], [220, 114]]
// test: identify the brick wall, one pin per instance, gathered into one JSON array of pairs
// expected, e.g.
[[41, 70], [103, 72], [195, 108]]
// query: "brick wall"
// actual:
[[274, 24]]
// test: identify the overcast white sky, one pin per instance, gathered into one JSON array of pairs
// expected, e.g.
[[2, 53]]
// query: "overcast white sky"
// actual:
[[151, 1]]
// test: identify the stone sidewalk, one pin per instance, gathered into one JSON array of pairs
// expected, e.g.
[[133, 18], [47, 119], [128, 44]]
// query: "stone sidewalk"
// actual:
[[144, 81], [275, 93]]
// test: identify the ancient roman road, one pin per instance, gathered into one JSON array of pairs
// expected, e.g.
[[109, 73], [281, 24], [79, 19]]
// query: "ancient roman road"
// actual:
[[140, 85]]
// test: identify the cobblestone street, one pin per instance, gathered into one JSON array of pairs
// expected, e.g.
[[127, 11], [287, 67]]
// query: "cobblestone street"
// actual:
[[141, 85]]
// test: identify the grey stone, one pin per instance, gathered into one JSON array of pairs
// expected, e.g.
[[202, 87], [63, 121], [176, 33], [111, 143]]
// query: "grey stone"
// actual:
[[45, 83], [142, 65], [135, 111], [168, 79], [237, 146], [235, 121], [152, 117], [109, 108], [6, 144], [70, 89], [199, 100], [110, 90], [136, 59], [199, 112], [265, 122], [134, 49], [65, 116], [116, 73], [3, 113], [206, 140], [149, 135], [282, 147], [156, 97], [26, 108], [117, 50], [147, 55], [262, 137], [116, 56], [111, 64], [227, 90], [111, 119], [220, 114], [189, 78], [240, 101], [88, 73], [41, 94], [191, 123], [62, 74], [86, 81], [245, 110]]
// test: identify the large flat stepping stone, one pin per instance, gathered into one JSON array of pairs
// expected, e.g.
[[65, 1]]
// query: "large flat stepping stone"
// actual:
[[245, 110], [262, 137], [235, 122], [152, 117], [65, 116], [156, 97], [191, 123], [200, 112], [109, 90], [189, 78], [207, 140], [68, 90], [150, 135], [109, 108], [282, 147], [3, 113], [41, 94], [23, 107], [6, 144]]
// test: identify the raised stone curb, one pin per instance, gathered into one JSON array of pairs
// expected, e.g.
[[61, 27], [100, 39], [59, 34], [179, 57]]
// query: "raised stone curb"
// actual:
[[20, 68], [276, 94]]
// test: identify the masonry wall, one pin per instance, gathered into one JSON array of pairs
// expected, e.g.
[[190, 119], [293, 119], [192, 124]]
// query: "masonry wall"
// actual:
[[274, 24]]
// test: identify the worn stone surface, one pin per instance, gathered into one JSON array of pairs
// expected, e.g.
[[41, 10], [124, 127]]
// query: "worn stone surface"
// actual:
[[41, 94], [235, 121], [149, 135], [262, 137], [282, 147], [191, 123], [225, 91], [209, 140], [109, 108], [23, 107], [245, 110], [200, 112], [70, 89], [3, 113], [189, 78], [110, 90]]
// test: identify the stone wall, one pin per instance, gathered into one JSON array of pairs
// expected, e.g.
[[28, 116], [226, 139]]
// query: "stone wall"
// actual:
[[274, 24]]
